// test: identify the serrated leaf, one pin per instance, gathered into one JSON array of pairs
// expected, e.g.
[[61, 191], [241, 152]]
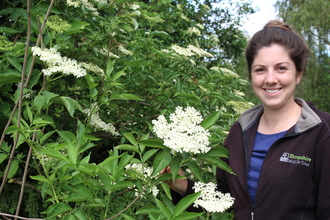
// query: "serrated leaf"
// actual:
[[152, 143], [3, 157], [128, 147], [211, 120], [185, 203], [54, 154], [161, 161], [188, 215], [121, 185], [148, 154], [196, 170], [218, 152], [163, 209], [175, 166], [131, 139], [57, 209], [13, 168], [39, 178], [218, 163]]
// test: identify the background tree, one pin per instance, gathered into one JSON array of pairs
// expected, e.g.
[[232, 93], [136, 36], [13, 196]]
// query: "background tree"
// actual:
[[310, 18]]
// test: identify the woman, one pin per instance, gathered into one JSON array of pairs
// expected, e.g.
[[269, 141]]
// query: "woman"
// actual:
[[280, 150]]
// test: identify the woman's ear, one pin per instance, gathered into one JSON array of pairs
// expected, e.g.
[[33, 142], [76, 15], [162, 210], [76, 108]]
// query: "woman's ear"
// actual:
[[298, 77]]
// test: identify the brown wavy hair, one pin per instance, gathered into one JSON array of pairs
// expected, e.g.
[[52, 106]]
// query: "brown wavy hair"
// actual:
[[277, 32]]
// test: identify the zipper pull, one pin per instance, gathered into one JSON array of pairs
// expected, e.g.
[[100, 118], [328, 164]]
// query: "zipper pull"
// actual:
[[252, 212]]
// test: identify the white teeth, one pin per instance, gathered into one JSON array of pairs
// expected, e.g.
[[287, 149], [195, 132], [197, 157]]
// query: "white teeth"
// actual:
[[272, 91]]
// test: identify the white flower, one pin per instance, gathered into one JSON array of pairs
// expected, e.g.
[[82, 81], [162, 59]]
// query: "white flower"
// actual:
[[183, 133], [106, 52], [124, 51], [212, 200], [57, 63], [134, 6], [92, 67], [199, 51], [154, 191], [97, 122], [139, 171], [182, 51], [193, 30], [228, 72]]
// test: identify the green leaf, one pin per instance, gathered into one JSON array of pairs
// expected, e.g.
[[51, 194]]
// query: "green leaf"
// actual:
[[118, 75], [72, 151], [131, 139], [152, 143], [8, 30], [148, 154], [57, 209], [135, 23], [81, 215], [218, 163], [147, 209], [3, 157], [161, 161], [218, 152], [110, 67], [39, 178], [10, 76], [106, 180], [128, 147], [161, 34], [127, 217], [12, 129], [188, 215], [167, 190], [126, 97], [39, 102], [13, 61], [185, 203], [196, 170], [175, 166], [121, 185], [13, 168], [54, 154], [70, 104], [163, 209], [211, 120], [48, 96], [75, 197], [108, 160]]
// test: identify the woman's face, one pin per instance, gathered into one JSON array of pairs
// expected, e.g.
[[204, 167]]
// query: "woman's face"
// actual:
[[274, 77]]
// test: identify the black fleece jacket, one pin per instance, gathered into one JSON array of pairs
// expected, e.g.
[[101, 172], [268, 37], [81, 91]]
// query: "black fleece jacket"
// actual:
[[295, 178]]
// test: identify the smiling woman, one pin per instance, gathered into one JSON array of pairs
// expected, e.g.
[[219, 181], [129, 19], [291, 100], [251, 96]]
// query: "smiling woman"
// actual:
[[269, 182]]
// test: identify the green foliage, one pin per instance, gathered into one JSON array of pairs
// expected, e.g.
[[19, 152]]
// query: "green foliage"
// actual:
[[85, 129], [310, 18]]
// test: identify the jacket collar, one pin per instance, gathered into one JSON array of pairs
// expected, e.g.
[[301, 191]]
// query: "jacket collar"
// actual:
[[306, 121]]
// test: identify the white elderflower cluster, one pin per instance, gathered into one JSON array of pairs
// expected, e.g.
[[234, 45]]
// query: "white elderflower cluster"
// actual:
[[199, 51], [190, 51], [134, 6], [97, 122], [194, 30], [86, 4], [106, 52], [212, 200], [138, 171], [92, 67], [183, 133], [124, 50], [200, 26], [57, 63], [228, 72]]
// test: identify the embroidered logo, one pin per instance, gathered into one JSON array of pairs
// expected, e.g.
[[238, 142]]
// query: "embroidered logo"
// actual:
[[291, 158]]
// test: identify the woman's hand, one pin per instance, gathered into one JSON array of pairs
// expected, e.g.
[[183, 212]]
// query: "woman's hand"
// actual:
[[178, 185]]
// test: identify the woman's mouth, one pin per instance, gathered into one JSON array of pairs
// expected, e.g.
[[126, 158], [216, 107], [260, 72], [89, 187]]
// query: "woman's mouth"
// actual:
[[272, 91]]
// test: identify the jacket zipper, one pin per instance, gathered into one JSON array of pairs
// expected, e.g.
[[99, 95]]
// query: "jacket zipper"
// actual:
[[252, 212]]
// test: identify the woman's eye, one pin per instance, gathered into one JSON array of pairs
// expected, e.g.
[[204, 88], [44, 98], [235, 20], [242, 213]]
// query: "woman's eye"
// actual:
[[282, 68], [259, 70]]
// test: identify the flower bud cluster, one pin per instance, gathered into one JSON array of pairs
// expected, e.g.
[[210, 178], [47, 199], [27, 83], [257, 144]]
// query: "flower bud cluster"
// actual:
[[183, 133]]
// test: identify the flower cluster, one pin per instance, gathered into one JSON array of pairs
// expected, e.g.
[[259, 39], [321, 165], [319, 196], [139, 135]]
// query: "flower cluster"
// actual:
[[240, 106], [183, 133], [56, 23], [212, 200], [86, 4], [97, 122], [57, 63], [124, 50], [138, 171], [92, 67], [194, 30], [141, 172], [191, 51], [5, 45]]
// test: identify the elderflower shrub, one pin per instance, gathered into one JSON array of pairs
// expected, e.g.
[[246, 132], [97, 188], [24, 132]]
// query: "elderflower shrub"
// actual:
[[56, 63], [56, 23], [183, 133], [190, 51], [96, 121], [212, 200]]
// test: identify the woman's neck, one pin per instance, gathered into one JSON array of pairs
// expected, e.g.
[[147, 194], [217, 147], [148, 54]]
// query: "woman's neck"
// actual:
[[277, 120]]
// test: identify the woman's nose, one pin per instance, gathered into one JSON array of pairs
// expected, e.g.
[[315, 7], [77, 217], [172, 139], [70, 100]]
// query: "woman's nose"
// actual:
[[271, 77]]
